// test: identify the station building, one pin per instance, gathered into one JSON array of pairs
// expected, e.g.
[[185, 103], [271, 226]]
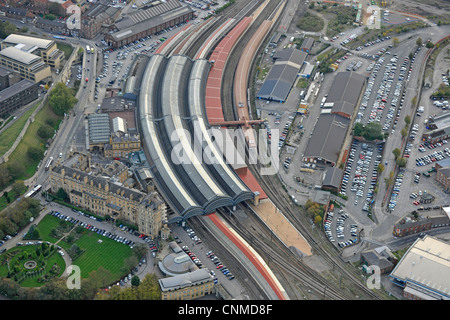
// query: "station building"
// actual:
[[102, 192], [147, 22]]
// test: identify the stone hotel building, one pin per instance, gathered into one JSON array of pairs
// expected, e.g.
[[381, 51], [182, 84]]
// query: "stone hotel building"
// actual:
[[105, 195]]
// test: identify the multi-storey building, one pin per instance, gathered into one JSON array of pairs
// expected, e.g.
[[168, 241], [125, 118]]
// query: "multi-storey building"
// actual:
[[28, 65], [443, 173], [98, 16], [187, 286], [105, 195], [17, 95], [121, 145], [46, 49]]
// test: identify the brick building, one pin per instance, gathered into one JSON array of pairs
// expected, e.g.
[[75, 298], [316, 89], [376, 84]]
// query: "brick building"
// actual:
[[96, 19], [443, 173]]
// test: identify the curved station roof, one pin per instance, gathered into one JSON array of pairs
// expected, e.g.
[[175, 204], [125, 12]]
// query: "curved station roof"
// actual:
[[189, 171]]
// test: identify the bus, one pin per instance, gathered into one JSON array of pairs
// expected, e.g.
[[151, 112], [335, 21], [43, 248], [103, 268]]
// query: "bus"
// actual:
[[59, 37], [34, 192], [88, 49], [49, 163]]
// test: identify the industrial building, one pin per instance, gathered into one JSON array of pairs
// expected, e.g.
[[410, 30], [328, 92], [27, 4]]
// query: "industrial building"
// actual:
[[147, 22], [332, 179], [423, 270], [99, 131], [307, 44], [327, 139], [332, 127], [282, 75], [438, 128]]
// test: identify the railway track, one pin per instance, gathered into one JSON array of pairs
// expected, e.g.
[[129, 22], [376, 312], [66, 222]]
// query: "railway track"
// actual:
[[253, 291], [237, 11], [277, 255], [322, 248], [280, 255], [233, 60]]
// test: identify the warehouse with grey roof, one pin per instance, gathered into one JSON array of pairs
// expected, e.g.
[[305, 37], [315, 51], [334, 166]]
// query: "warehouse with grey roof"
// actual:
[[331, 129], [281, 77], [147, 22]]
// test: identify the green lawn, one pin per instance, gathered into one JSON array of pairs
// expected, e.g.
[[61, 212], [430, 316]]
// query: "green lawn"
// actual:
[[10, 135], [66, 48], [31, 138], [15, 252], [109, 254]]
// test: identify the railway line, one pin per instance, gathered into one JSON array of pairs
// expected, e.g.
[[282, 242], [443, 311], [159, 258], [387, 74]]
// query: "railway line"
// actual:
[[237, 11], [279, 255], [279, 258]]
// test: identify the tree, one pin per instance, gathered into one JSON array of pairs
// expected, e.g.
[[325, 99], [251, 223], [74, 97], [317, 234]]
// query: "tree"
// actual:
[[135, 281], [35, 153], [62, 194], [45, 132], [419, 42], [317, 219], [5, 176], [18, 188], [395, 41], [15, 170], [7, 28], [61, 99], [380, 168], [404, 132], [401, 162], [413, 101], [407, 120], [396, 153], [429, 44]]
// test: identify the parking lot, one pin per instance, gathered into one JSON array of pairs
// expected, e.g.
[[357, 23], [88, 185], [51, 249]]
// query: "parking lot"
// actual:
[[340, 228], [384, 96], [203, 257], [360, 175]]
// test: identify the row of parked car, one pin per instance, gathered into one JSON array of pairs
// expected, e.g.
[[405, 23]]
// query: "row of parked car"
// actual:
[[432, 157], [92, 228], [367, 93], [340, 227], [193, 257], [371, 43], [396, 190], [361, 176], [219, 266]]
